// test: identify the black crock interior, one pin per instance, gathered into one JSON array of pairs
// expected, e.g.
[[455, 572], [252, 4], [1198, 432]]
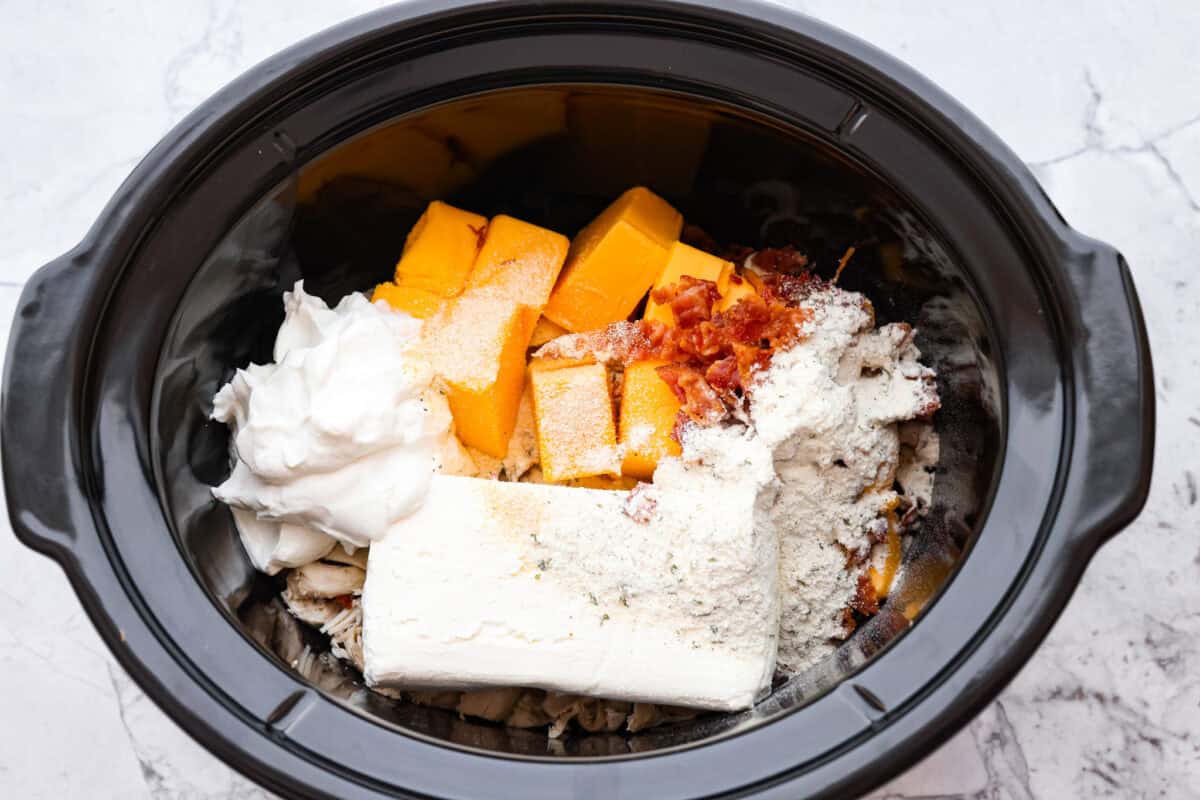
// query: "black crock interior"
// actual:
[[555, 155]]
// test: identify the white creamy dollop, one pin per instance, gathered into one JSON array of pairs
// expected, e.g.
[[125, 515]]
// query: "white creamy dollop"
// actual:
[[341, 435]]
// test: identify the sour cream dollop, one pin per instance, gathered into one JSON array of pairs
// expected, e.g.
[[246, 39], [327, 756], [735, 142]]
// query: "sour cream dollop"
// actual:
[[341, 435]]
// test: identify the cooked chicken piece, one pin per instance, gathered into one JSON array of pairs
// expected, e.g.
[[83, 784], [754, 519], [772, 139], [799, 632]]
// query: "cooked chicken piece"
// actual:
[[313, 610], [528, 712], [493, 704], [321, 579], [648, 715], [436, 699], [358, 558], [592, 714]]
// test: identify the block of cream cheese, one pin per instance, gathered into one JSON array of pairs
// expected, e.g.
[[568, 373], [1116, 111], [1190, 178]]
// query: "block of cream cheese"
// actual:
[[661, 595]]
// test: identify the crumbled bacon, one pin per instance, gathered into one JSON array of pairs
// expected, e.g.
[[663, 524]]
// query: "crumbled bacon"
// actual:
[[641, 505], [865, 601], [344, 600], [699, 401], [789, 289], [691, 300], [712, 355], [723, 375], [786, 260], [849, 623]]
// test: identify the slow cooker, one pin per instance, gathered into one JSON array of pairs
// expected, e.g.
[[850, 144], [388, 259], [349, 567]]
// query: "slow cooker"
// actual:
[[765, 128]]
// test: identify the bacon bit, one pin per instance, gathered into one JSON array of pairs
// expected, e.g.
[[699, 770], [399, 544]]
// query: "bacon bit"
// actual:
[[691, 300], [789, 289], [713, 355], [849, 623], [641, 505], [781, 259], [699, 401], [723, 375], [865, 600], [842, 264], [480, 233], [345, 600]]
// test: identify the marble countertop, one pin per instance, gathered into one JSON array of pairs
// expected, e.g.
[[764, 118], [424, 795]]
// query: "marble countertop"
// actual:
[[1101, 99]]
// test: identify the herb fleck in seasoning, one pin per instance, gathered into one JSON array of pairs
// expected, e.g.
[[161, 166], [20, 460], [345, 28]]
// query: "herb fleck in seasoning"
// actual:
[[593, 599], [534, 537], [604, 619], [544, 564], [537, 577]]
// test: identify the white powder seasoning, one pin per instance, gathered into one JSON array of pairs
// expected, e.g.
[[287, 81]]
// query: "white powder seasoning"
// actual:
[[828, 408]]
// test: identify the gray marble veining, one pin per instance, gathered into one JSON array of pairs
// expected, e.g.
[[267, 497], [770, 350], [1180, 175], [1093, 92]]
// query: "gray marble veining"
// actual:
[[1101, 99]]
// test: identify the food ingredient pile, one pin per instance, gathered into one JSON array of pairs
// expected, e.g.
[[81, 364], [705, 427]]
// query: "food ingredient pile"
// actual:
[[616, 481]]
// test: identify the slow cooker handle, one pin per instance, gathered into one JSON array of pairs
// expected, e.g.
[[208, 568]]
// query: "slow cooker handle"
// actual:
[[1113, 447], [42, 475]]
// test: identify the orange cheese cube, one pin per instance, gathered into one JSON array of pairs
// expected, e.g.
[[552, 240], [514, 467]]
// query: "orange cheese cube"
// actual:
[[735, 293], [440, 250], [572, 411], [409, 299], [479, 349], [518, 262], [648, 412], [544, 331], [478, 344], [613, 261], [622, 483], [683, 260]]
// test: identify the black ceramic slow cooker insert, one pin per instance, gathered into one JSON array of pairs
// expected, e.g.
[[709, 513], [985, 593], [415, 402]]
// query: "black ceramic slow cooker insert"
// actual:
[[765, 128]]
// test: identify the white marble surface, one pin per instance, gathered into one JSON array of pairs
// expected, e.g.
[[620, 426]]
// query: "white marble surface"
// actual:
[[1103, 99]]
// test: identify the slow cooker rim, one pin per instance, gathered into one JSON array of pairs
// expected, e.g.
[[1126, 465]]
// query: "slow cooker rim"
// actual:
[[119, 210]]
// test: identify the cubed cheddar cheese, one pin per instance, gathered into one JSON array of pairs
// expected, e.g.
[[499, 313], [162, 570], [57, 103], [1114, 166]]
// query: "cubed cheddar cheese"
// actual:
[[614, 261], [480, 342], [572, 411], [683, 260], [648, 412], [409, 299], [738, 289], [440, 250], [519, 262], [544, 331], [606, 482], [480, 352]]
